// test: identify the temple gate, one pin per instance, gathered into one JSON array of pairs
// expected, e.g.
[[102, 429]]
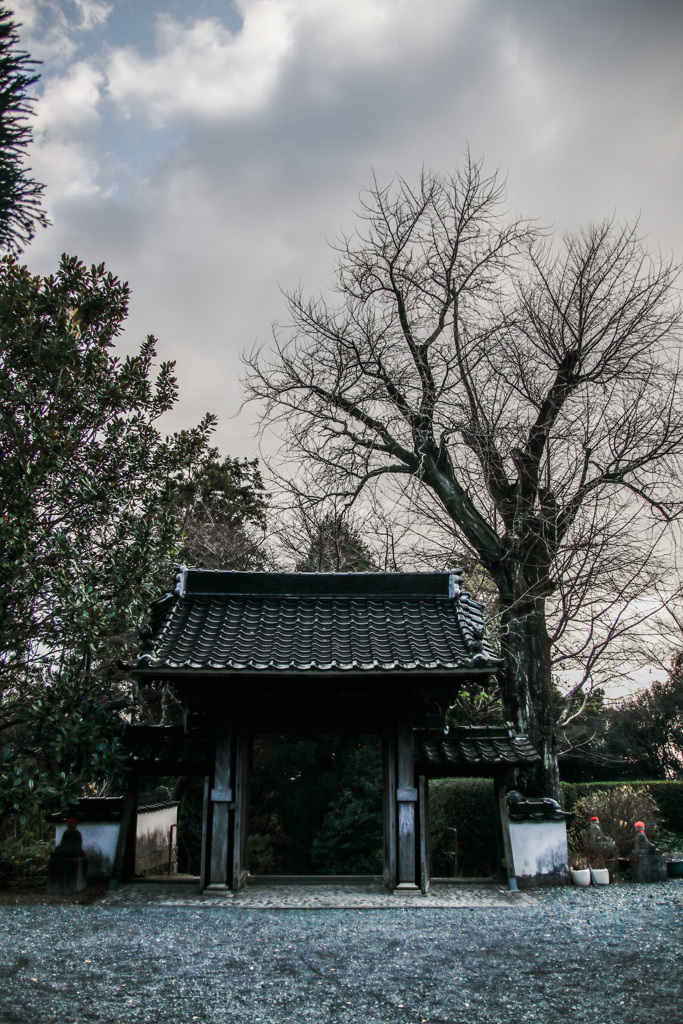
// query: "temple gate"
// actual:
[[382, 653]]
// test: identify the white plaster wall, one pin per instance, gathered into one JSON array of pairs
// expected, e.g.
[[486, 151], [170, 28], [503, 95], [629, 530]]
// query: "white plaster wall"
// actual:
[[100, 839], [99, 845], [153, 836], [150, 822], [539, 848]]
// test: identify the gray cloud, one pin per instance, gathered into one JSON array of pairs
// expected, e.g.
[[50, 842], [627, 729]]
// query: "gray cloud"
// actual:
[[578, 103]]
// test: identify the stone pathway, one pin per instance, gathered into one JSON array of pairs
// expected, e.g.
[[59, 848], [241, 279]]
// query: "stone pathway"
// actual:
[[302, 896]]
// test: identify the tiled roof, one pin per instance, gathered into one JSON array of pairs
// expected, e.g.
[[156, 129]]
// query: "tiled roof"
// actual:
[[104, 809], [236, 621], [535, 809], [472, 746]]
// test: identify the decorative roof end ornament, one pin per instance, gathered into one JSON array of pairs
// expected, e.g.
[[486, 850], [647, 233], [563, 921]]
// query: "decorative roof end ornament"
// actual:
[[454, 585], [147, 653], [180, 580]]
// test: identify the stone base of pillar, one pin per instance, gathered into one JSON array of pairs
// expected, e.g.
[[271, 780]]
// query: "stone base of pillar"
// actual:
[[407, 887], [67, 874]]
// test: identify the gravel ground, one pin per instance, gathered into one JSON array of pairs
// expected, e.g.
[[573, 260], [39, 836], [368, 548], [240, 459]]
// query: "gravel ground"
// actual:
[[593, 956], [368, 894]]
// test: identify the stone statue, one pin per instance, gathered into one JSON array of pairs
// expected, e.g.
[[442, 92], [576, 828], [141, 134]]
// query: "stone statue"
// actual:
[[648, 864], [67, 868], [600, 846]]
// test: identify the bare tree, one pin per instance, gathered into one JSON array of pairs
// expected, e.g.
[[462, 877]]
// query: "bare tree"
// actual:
[[526, 392]]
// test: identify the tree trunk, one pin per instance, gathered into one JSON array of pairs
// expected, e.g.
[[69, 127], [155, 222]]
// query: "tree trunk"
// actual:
[[526, 683]]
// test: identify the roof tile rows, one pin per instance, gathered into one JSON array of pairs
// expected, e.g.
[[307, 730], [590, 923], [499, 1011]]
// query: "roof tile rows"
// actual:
[[484, 745], [328, 621]]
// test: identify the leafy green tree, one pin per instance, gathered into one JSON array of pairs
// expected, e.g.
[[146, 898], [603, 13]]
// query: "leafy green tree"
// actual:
[[89, 520], [349, 840], [20, 196], [293, 783], [636, 737], [232, 489]]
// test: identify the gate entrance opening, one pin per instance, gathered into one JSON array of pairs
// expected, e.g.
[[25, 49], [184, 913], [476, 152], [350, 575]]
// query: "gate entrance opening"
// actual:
[[315, 805]]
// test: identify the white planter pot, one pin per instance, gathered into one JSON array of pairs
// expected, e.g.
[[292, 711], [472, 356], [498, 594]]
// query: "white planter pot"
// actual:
[[580, 876], [600, 876]]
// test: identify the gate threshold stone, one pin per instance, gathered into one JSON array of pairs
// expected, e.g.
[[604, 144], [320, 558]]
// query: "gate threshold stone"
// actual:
[[292, 893]]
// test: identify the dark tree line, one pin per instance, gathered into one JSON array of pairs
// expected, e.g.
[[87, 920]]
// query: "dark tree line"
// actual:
[[636, 737]]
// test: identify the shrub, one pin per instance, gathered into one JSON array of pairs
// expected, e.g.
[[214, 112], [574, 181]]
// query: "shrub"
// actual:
[[24, 858], [349, 841], [618, 808], [670, 842], [468, 805]]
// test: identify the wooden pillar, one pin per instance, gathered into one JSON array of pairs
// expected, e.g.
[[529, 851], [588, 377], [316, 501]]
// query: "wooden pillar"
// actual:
[[389, 810], [503, 821], [221, 797], [406, 800], [204, 867], [423, 805], [501, 870], [123, 867], [241, 813]]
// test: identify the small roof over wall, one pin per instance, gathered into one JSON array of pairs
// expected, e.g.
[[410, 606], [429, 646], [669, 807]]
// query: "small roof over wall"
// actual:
[[227, 622], [471, 750], [105, 809]]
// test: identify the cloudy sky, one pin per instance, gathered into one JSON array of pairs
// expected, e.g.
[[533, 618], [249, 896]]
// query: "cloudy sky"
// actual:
[[206, 149]]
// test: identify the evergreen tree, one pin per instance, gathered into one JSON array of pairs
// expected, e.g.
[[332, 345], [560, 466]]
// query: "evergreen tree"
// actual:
[[335, 546], [20, 195], [89, 522]]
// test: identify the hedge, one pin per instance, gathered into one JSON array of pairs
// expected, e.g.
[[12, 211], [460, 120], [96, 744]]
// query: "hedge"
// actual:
[[467, 804], [668, 795]]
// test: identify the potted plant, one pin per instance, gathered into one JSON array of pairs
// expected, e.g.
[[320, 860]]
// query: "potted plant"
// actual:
[[672, 845], [579, 871], [599, 870], [674, 863]]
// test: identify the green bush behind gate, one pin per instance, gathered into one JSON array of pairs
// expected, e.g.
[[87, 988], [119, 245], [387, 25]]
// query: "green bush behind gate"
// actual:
[[467, 804]]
